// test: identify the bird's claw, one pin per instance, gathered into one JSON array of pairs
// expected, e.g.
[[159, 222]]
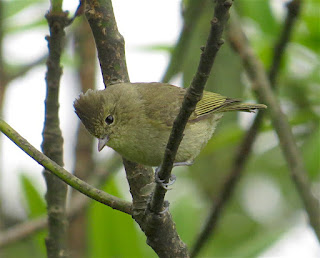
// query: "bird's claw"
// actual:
[[166, 205], [161, 182]]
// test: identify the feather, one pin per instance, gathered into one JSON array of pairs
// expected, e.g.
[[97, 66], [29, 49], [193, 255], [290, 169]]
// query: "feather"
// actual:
[[216, 103]]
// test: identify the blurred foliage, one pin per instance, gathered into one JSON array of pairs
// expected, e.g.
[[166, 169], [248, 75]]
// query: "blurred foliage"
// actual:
[[111, 228], [36, 207], [265, 203]]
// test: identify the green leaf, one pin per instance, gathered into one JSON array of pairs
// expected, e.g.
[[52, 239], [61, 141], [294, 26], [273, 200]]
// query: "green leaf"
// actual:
[[307, 31], [35, 201], [311, 153], [35, 207], [260, 12], [13, 7]]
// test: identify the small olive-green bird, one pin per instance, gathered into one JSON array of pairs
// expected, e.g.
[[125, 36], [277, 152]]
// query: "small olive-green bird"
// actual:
[[135, 119]]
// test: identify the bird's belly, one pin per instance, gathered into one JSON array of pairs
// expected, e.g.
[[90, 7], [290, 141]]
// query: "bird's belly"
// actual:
[[195, 139], [148, 149]]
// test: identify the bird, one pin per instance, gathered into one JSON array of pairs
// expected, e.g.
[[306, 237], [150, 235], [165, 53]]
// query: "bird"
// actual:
[[135, 119]]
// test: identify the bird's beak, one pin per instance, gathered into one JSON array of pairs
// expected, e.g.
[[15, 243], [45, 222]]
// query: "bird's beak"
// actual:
[[102, 142]]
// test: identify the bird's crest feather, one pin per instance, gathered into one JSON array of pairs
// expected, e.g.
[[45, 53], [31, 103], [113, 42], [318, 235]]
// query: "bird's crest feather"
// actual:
[[89, 108]]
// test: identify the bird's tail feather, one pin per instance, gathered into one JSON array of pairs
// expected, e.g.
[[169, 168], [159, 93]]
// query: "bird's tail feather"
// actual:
[[236, 106]]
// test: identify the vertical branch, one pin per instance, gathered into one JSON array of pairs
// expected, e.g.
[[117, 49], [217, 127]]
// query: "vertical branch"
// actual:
[[52, 144], [160, 230], [111, 54], [109, 42], [245, 147]]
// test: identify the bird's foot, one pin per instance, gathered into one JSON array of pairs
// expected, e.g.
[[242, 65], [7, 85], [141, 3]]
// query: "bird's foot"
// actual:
[[161, 182], [166, 205]]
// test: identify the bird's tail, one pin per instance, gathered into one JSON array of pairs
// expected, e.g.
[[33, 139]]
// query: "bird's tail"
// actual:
[[238, 106]]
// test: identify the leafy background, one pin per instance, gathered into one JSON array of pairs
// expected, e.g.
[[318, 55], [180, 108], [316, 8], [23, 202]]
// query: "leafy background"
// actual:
[[265, 205]]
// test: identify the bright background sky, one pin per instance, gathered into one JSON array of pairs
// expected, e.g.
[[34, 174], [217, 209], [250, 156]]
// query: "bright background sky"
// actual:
[[142, 23]]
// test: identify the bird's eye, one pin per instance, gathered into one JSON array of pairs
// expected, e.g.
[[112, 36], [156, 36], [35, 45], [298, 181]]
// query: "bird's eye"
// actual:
[[109, 120]]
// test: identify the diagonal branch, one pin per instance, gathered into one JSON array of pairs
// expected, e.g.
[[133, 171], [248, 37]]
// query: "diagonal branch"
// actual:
[[245, 147], [191, 98], [290, 150], [64, 175]]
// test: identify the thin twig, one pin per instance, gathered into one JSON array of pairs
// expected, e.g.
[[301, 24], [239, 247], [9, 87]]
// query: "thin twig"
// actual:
[[260, 82], [192, 96], [64, 175], [245, 147]]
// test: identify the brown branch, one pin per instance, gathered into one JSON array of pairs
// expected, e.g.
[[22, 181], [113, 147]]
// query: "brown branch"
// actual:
[[191, 98], [159, 229], [52, 144], [245, 147], [260, 82], [109, 42]]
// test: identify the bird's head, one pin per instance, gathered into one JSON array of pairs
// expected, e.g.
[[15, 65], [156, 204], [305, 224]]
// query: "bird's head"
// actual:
[[96, 110]]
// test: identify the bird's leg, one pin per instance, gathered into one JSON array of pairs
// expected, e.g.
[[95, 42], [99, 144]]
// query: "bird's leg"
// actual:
[[161, 182], [172, 177]]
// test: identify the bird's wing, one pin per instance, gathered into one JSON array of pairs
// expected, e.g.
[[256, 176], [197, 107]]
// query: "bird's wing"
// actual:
[[162, 102], [212, 103], [215, 103]]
